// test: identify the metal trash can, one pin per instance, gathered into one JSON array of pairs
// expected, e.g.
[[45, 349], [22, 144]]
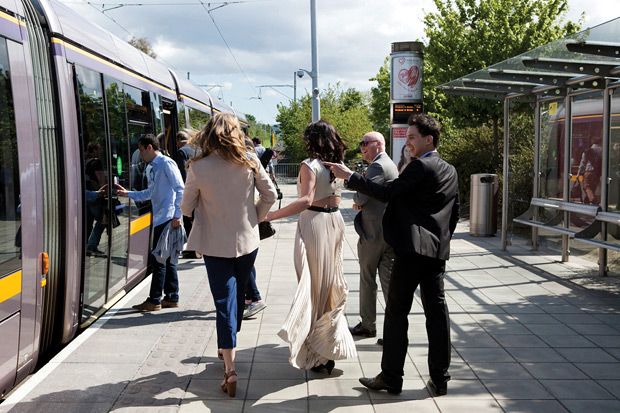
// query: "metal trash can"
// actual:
[[483, 207]]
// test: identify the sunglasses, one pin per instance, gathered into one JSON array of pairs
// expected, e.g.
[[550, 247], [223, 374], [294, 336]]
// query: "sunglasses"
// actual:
[[366, 143]]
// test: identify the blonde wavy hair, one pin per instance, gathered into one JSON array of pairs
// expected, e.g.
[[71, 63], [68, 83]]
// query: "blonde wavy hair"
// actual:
[[223, 134]]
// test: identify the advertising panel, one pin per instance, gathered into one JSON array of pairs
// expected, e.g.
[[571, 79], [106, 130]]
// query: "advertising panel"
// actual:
[[406, 75], [399, 139]]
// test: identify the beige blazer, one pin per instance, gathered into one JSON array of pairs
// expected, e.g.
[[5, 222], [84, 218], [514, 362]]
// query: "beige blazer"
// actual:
[[221, 195]]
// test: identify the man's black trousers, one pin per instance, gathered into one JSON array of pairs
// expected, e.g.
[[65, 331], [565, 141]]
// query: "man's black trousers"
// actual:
[[409, 271]]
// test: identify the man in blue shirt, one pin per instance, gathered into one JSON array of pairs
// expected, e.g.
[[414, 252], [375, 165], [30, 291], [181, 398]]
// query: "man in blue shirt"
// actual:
[[165, 190]]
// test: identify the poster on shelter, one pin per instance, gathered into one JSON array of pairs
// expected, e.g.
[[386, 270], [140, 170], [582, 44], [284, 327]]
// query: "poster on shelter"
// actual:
[[406, 77]]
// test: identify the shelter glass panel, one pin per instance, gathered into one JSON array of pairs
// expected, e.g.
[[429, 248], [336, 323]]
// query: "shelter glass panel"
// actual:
[[552, 150], [586, 148], [613, 194], [92, 134], [10, 218]]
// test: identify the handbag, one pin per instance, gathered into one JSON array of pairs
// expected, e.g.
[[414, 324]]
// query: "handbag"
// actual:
[[277, 191], [266, 230]]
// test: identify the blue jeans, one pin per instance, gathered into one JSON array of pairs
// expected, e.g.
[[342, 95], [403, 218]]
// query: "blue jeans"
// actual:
[[94, 213], [228, 278], [251, 291], [164, 275]]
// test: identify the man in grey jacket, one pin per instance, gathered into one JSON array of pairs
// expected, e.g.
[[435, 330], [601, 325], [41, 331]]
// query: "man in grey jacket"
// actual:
[[374, 254]]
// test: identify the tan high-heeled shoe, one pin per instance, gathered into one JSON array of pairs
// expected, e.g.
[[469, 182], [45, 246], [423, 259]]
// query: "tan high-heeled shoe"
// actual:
[[230, 388]]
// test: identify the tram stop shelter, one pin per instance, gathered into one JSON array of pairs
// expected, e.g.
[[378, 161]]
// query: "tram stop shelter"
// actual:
[[573, 86]]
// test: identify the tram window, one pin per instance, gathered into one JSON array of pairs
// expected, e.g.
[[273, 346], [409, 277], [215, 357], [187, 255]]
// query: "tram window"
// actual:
[[181, 115], [138, 169], [197, 118], [138, 105], [10, 219], [156, 113]]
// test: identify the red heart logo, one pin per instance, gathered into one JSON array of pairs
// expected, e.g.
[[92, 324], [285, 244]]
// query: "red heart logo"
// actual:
[[409, 77], [401, 60]]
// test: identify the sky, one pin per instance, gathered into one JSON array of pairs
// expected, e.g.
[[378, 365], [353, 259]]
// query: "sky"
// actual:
[[242, 48]]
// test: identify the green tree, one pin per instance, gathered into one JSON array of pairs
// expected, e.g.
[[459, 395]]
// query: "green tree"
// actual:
[[142, 44], [259, 129], [348, 110], [380, 100], [468, 35]]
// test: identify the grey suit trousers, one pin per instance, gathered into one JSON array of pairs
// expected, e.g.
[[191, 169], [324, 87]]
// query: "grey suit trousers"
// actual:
[[374, 256]]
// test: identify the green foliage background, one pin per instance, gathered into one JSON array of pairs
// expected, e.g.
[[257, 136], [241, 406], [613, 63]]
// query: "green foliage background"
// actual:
[[348, 110]]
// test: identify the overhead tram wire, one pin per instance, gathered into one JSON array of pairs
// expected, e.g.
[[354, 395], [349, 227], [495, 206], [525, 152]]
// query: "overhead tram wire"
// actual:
[[126, 4], [230, 50], [119, 25]]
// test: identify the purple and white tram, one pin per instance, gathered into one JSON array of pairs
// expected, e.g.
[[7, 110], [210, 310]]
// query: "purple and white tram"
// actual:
[[74, 99]]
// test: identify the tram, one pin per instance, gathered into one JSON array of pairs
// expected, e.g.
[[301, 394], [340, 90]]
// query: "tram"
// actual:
[[74, 99]]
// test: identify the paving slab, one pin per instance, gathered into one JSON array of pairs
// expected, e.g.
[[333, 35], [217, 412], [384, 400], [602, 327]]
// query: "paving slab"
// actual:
[[529, 334]]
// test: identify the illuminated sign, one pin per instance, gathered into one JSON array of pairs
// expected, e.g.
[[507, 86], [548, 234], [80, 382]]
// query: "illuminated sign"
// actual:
[[402, 111]]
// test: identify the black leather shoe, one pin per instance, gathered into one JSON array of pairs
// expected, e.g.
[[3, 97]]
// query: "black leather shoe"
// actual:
[[358, 330], [438, 390], [380, 341], [377, 383]]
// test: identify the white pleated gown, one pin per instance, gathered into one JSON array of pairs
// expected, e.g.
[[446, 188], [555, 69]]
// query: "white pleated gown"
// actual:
[[316, 327]]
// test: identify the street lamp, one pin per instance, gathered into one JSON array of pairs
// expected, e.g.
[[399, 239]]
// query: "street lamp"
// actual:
[[314, 74]]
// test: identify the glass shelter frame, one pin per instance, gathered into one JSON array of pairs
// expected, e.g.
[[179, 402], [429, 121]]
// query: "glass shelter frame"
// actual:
[[574, 86]]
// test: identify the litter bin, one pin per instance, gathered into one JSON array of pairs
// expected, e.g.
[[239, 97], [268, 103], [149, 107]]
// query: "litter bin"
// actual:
[[483, 206]]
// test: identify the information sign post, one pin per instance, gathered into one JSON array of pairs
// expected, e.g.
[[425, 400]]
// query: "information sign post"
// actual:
[[406, 68]]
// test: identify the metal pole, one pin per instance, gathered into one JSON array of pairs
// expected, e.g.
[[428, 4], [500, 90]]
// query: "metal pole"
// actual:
[[537, 173], [606, 138], [294, 86], [316, 103], [568, 136], [504, 240]]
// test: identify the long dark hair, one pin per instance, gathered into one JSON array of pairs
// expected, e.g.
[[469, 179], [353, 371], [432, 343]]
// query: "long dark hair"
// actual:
[[323, 142]]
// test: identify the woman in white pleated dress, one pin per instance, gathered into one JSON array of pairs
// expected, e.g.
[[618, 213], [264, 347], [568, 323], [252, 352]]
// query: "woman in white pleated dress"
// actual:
[[316, 327]]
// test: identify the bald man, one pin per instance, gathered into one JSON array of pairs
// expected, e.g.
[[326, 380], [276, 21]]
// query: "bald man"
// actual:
[[374, 254]]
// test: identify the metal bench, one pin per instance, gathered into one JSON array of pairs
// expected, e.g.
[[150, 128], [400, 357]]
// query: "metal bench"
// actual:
[[560, 207], [586, 235]]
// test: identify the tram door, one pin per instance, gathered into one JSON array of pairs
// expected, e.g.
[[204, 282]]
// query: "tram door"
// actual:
[[119, 216], [105, 157]]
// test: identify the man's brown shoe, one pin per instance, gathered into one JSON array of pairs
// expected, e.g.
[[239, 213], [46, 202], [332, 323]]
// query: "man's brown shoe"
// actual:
[[147, 306], [358, 330], [169, 304], [377, 383]]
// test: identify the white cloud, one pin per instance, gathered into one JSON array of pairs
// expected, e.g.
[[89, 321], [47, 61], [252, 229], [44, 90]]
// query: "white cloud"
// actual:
[[271, 40]]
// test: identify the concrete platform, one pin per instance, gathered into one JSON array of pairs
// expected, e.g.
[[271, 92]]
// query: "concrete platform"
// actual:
[[529, 334]]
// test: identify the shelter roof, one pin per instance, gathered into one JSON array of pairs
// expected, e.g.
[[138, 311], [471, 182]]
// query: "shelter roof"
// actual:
[[584, 60]]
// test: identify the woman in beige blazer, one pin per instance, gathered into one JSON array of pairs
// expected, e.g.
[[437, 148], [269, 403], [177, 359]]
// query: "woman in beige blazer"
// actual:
[[220, 192]]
